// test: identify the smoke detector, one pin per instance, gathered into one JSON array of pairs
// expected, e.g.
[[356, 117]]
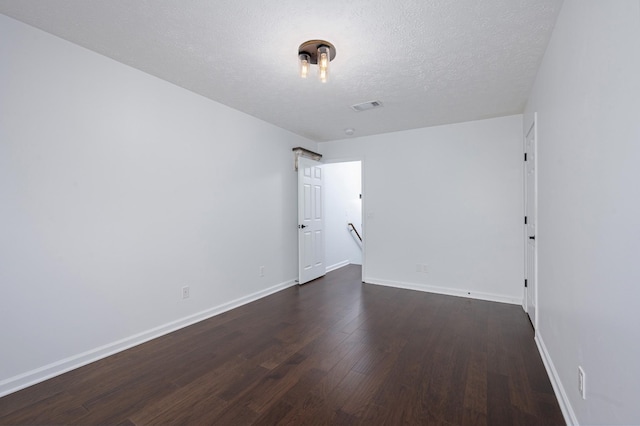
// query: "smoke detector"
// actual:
[[364, 106]]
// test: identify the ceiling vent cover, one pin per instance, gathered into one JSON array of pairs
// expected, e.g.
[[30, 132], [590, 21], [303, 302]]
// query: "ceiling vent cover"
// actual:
[[364, 106]]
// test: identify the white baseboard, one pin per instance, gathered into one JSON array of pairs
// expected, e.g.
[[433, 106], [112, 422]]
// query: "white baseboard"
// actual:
[[338, 265], [445, 290], [21, 381], [561, 395]]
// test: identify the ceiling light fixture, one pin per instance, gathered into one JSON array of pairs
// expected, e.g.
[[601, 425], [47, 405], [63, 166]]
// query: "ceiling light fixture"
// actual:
[[316, 52]]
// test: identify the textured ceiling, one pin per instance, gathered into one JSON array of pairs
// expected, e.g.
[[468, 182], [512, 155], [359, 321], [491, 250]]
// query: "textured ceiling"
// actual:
[[429, 62]]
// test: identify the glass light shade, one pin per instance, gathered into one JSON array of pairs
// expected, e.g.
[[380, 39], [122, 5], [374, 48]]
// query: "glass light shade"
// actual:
[[323, 63], [304, 60]]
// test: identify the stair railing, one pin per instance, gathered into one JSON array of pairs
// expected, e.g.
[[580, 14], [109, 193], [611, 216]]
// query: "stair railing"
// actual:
[[350, 225]]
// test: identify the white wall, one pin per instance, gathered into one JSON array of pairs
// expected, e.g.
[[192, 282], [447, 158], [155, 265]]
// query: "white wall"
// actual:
[[343, 185], [448, 197], [586, 96], [116, 190]]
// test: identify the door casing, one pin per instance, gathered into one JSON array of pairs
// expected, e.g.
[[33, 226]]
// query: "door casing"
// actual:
[[530, 203]]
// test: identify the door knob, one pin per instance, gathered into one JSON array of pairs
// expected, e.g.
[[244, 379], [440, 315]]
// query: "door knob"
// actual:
[[533, 237], [302, 226]]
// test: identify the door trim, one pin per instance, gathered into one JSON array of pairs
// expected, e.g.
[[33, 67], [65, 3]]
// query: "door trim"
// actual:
[[531, 282]]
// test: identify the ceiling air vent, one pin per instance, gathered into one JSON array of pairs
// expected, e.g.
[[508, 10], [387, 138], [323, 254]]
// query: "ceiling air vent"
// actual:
[[366, 106]]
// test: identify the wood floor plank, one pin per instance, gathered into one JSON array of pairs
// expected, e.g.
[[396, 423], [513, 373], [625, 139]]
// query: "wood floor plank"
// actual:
[[60, 408], [334, 351], [367, 387], [475, 395], [208, 385]]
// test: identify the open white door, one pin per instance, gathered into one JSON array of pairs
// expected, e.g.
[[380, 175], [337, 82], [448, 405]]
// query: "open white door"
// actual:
[[310, 221], [530, 224]]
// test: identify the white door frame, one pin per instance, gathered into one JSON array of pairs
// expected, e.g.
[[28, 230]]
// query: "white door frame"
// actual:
[[531, 291]]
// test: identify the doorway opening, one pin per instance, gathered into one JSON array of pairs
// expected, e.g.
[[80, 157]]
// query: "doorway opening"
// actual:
[[343, 214], [331, 227]]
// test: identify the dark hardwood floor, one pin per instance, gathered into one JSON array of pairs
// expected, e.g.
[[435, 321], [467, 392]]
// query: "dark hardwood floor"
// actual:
[[334, 351]]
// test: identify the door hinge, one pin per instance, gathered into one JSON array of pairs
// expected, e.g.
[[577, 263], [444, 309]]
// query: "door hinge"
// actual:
[[525, 283], [525, 220], [525, 156]]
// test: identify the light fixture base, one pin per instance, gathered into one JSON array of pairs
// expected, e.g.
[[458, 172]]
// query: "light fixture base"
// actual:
[[311, 48]]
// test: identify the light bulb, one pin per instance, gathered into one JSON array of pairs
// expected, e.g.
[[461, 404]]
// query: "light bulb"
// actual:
[[323, 60], [323, 63], [304, 64], [323, 76]]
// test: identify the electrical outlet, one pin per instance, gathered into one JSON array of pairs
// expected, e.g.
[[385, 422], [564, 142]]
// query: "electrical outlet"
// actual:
[[422, 268], [185, 292], [418, 267], [262, 271], [581, 383]]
